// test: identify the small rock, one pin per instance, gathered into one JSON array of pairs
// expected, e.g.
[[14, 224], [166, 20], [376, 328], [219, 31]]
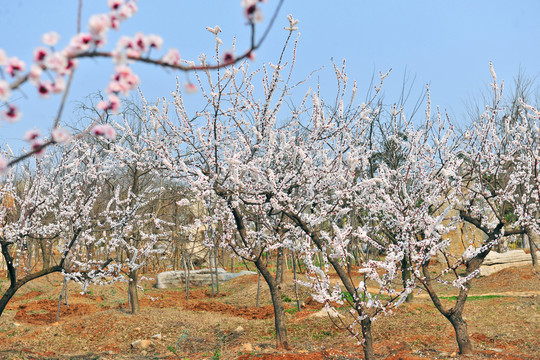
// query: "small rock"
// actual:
[[16, 324], [247, 347], [324, 313], [453, 354], [143, 353], [141, 344], [238, 329], [55, 323], [137, 329], [157, 336]]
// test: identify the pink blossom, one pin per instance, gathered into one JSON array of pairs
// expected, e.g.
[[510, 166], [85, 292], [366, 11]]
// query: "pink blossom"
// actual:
[[190, 88], [58, 85], [140, 42], [3, 165], [155, 41], [251, 11], [124, 42], [114, 4], [5, 90], [172, 57], [115, 22], [105, 130], [12, 114], [50, 38], [31, 135], [133, 53], [40, 53], [35, 74], [15, 66], [118, 57], [44, 88], [123, 80], [227, 57], [113, 104], [252, 56], [127, 10], [99, 24], [99, 41], [57, 62], [61, 135], [80, 43], [71, 64], [37, 146]]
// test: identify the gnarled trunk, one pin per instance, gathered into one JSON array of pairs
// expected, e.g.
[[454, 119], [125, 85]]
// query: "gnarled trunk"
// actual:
[[462, 334]]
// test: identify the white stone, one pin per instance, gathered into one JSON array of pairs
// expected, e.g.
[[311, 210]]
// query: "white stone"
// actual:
[[323, 313], [200, 277], [512, 256], [490, 270]]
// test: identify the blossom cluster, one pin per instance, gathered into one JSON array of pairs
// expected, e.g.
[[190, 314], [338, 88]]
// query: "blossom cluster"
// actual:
[[51, 62]]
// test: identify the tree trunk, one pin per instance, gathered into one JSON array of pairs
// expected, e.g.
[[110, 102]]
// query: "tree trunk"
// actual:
[[279, 266], [258, 288], [45, 253], [6, 297], [295, 282], [406, 276], [186, 276], [216, 257], [369, 354], [462, 335], [279, 311], [211, 267], [132, 292], [533, 240], [349, 286]]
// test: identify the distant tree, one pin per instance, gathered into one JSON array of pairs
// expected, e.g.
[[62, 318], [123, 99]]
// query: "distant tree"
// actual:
[[53, 206]]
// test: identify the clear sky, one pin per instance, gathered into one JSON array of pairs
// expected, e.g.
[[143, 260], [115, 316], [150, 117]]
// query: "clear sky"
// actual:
[[447, 44]]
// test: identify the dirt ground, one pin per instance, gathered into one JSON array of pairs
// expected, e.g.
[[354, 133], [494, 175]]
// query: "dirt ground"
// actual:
[[502, 314]]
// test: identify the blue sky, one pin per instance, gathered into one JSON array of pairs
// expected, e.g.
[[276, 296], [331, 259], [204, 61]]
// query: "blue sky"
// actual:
[[447, 44]]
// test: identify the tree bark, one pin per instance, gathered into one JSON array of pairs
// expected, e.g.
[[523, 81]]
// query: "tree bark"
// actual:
[[134, 306], [533, 240], [406, 277], [279, 311], [462, 334], [279, 266], [369, 354]]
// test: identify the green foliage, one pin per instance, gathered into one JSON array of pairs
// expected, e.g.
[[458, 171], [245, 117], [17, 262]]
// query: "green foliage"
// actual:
[[345, 296], [217, 355]]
